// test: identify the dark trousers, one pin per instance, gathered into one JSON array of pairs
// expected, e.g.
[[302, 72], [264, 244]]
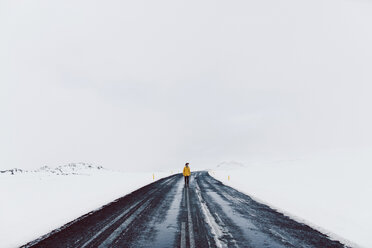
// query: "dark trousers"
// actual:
[[187, 180]]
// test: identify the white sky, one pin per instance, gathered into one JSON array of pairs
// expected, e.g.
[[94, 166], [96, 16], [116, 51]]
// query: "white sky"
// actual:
[[151, 84]]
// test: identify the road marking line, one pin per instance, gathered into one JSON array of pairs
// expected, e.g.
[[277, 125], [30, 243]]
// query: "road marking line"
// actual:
[[191, 230], [183, 235]]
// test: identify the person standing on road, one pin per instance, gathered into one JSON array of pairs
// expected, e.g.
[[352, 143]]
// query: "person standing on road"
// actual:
[[186, 173]]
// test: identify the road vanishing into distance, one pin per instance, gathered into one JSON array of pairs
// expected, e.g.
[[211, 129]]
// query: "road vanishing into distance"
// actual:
[[168, 214]]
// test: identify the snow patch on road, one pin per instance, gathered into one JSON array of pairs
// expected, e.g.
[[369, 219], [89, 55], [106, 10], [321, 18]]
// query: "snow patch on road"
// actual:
[[257, 238], [216, 230]]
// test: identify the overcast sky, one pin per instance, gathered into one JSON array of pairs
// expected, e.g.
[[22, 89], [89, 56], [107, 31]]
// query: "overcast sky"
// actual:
[[152, 84]]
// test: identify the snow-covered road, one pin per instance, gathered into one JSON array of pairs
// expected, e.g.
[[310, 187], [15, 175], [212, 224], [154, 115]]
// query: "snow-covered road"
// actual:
[[167, 214]]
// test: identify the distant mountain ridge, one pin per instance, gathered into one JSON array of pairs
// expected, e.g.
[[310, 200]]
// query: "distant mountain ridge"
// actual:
[[230, 165], [68, 169]]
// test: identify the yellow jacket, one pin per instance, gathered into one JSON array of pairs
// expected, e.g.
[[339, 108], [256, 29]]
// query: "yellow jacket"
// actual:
[[186, 171]]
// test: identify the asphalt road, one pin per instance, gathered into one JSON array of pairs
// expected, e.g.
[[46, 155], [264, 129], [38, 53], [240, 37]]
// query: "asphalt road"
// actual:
[[168, 214]]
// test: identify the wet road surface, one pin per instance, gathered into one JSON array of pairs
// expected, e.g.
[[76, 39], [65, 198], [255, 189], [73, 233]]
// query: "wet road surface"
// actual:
[[168, 214]]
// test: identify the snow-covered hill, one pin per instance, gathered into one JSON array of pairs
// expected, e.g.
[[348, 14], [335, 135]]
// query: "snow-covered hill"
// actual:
[[68, 169], [230, 165], [72, 169], [13, 171]]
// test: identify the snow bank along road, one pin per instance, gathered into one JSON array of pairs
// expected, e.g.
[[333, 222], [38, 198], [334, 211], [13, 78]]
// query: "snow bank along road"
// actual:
[[166, 214]]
